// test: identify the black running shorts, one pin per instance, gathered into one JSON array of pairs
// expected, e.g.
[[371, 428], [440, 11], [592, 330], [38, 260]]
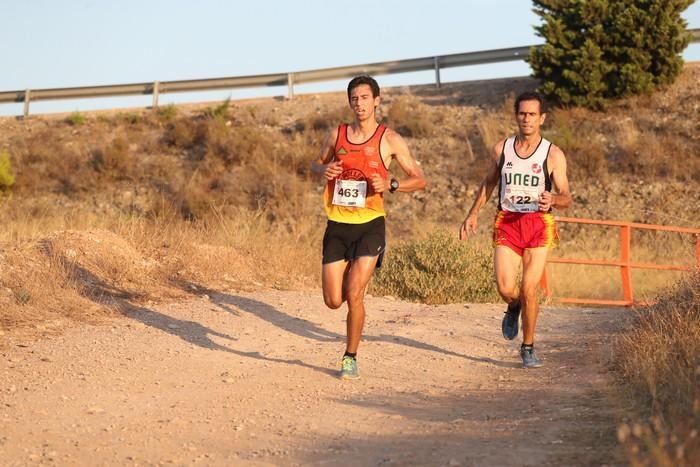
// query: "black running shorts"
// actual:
[[350, 241]]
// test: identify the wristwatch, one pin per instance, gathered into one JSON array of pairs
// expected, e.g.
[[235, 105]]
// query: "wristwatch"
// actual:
[[393, 185]]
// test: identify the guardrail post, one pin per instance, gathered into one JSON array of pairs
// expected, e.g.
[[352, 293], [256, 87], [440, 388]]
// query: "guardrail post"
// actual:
[[290, 86], [625, 257], [27, 97], [437, 71], [156, 91]]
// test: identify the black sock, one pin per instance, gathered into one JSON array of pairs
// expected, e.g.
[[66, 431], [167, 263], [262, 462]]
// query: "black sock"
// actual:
[[527, 346], [351, 355]]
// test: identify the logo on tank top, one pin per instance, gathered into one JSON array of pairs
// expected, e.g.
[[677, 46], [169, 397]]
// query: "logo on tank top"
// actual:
[[353, 174], [341, 151], [509, 165], [519, 179], [536, 168]]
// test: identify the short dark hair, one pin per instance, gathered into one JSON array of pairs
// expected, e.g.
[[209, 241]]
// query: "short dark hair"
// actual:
[[363, 79], [530, 96]]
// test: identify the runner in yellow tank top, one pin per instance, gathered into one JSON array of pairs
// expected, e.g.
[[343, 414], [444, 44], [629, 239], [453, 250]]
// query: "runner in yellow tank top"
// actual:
[[354, 161]]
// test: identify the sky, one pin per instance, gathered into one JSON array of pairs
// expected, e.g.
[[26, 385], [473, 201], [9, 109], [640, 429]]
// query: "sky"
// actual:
[[70, 43]]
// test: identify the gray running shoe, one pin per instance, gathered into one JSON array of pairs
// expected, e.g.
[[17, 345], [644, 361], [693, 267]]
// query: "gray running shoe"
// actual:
[[348, 368], [510, 323], [529, 357]]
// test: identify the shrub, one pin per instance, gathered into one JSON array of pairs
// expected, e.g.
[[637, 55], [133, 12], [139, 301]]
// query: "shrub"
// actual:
[[167, 112], [410, 119], [180, 134], [115, 160], [596, 51], [437, 269], [76, 119], [7, 177], [133, 118], [220, 111]]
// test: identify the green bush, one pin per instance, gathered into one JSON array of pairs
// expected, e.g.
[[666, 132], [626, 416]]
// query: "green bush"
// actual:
[[133, 118], [220, 111], [76, 119], [604, 49], [7, 177], [438, 269], [167, 112]]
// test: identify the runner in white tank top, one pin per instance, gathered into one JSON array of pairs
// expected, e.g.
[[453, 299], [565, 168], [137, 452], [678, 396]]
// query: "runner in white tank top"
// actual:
[[531, 173]]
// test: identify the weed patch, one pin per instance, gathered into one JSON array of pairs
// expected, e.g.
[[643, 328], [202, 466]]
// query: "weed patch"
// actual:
[[76, 119], [437, 269], [7, 176], [659, 363]]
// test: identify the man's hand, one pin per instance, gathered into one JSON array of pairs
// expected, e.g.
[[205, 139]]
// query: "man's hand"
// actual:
[[468, 227], [545, 201], [379, 184], [333, 169]]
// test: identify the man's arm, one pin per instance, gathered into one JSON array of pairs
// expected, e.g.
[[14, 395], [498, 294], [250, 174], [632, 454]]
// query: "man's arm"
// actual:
[[394, 144], [324, 164], [483, 193], [560, 182]]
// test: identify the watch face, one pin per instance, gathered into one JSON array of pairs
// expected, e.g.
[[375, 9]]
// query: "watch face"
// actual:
[[394, 185]]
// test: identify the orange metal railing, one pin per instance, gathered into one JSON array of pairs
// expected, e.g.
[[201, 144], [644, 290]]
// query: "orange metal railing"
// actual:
[[625, 262]]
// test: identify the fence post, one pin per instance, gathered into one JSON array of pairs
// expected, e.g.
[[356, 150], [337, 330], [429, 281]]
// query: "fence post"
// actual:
[[156, 92], [290, 86], [625, 257], [27, 97], [437, 71]]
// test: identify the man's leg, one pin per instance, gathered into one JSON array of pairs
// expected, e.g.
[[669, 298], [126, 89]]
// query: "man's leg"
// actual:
[[534, 261], [358, 278], [333, 281], [506, 264]]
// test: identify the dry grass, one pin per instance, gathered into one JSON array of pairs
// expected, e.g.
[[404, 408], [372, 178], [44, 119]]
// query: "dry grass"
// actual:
[[659, 363], [410, 117], [84, 274], [603, 243]]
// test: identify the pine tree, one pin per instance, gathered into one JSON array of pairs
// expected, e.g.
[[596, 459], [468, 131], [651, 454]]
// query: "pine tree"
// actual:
[[596, 50]]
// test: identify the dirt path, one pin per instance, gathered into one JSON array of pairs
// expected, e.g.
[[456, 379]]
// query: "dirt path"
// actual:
[[249, 379]]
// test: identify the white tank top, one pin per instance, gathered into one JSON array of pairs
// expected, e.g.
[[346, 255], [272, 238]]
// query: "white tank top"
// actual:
[[523, 179]]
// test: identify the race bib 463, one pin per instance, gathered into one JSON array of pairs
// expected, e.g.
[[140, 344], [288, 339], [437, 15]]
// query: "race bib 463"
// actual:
[[352, 193]]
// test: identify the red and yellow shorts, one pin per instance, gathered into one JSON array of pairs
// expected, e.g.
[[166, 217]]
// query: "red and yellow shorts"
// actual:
[[521, 231]]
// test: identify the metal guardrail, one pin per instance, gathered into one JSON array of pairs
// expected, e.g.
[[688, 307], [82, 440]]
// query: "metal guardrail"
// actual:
[[277, 79]]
